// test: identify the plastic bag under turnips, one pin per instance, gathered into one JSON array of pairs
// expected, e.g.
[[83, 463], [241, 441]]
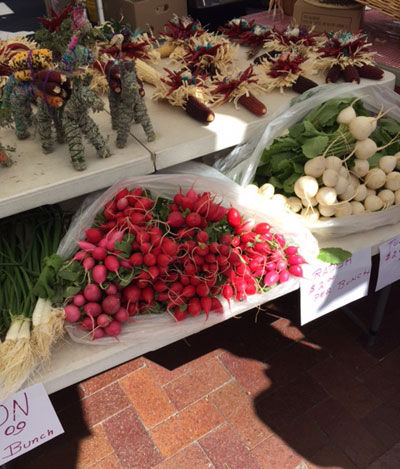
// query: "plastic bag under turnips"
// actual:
[[155, 326], [375, 98]]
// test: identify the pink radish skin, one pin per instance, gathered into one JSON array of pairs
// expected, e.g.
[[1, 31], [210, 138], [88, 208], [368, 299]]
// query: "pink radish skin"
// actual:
[[92, 309], [271, 278], [99, 274], [93, 235], [296, 259], [87, 324], [113, 329], [175, 220], [103, 243], [97, 333], [72, 313], [86, 246], [112, 264], [88, 263], [79, 300], [284, 276], [111, 304], [291, 250], [111, 289], [296, 270], [79, 256], [99, 253], [103, 320], [121, 315], [92, 292]]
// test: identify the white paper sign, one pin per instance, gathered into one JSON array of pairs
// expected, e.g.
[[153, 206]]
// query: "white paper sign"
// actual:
[[27, 420], [329, 287], [389, 263]]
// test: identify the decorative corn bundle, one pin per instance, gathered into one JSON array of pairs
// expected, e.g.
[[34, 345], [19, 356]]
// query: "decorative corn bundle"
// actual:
[[239, 89], [286, 70], [347, 55], [25, 63]]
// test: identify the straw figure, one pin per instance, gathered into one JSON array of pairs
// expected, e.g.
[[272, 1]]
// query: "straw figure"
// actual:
[[77, 122], [127, 104]]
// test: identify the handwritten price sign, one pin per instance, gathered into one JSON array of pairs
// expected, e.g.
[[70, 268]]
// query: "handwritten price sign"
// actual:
[[389, 263], [27, 420], [329, 287]]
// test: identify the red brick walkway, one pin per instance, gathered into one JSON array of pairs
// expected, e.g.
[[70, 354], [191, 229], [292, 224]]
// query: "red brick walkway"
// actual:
[[254, 392]]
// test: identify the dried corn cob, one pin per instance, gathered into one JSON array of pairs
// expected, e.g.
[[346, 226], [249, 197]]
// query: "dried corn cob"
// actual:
[[52, 75], [350, 74], [198, 110], [23, 75], [303, 84], [370, 71], [166, 49], [333, 74], [147, 73], [35, 58], [252, 104]]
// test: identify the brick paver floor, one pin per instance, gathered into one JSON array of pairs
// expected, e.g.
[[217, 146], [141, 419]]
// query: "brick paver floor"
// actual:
[[254, 392]]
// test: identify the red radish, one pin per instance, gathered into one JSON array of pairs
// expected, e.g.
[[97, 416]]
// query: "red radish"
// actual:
[[187, 203], [92, 292], [103, 320], [113, 329], [281, 240], [194, 307], [149, 259], [121, 315], [262, 228], [145, 248], [131, 294], [99, 274], [296, 270], [137, 218], [121, 194], [233, 217], [154, 271], [291, 250], [111, 263], [72, 313], [163, 259], [107, 226], [216, 305], [86, 246], [147, 294], [133, 309], [88, 263], [144, 204], [93, 235], [160, 286], [206, 304], [296, 259], [180, 315], [202, 237], [271, 278], [103, 243], [251, 289], [284, 276], [202, 290], [244, 227], [188, 291], [99, 253], [97, 333], [126, 264], [281, 265], [79, 256], [92, 309], [87, 324], [162, 297], [122, 204], [227, 292], [136, 258], [271, 266], [193, 219], [169, 247], [191, 194], [111, 304], [79, 300]]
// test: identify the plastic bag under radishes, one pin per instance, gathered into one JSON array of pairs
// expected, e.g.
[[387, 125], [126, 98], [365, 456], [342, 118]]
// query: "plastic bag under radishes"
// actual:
[[166, 185]]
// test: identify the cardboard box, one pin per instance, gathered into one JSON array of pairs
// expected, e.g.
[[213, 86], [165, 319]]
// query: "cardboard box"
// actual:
[[328, 17], [144, 13]]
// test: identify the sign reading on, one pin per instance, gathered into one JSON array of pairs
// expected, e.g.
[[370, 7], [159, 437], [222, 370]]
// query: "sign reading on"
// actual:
[[27, 420], [329, 287], [389, 263]]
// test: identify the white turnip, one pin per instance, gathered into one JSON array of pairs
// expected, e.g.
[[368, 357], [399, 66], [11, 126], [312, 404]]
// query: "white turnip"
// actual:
[[357, 207], [373, 203], [387, 163], [267, 190], [306, 187], [361, 193], [310, 215], [326, 210], [294, 204], [341, 185], [348, 194], [393, 181], [315, 167], [360, 168], [310, 202], [343, 210], [375, 178], [330, 177], [361, 127], [387, 197], [333, 162], [326, 196]]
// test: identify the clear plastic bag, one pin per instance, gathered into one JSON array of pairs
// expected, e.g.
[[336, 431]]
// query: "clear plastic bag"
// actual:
[[149, 327], [242, 163]]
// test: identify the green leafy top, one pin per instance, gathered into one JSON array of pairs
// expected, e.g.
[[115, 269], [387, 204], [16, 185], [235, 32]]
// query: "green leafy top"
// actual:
[[333, 255]]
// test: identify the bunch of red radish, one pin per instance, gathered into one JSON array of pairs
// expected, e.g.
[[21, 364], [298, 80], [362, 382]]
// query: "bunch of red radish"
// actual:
[[146, 255]]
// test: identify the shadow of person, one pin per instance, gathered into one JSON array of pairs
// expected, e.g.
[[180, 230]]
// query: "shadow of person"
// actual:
[[62, 452], [285, 369]]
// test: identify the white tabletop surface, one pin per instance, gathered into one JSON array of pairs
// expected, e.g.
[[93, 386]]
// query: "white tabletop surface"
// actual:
[[36, 178]]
